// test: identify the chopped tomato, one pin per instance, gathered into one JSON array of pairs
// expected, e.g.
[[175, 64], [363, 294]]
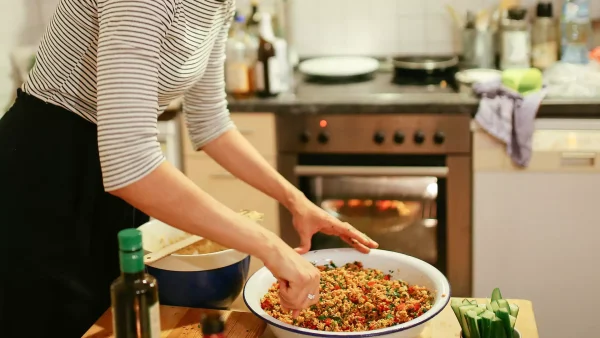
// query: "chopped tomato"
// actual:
[[336, 287], [328, 321], [371, 283], [417, 306], [400, 307], [266, 304], [387, 277], [411, 290]]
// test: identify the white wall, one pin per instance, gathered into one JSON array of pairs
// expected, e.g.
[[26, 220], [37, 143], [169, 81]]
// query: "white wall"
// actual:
[[22, 22], [384, 27], [320, 27]]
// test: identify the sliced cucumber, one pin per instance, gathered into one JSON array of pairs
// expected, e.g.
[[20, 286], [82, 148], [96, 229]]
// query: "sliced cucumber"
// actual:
[[497, 329], [513, 321], [466, 302], [473, 322], [495, 306], [455, 304], [486, 324], [496, 294], [463, 319], [503, 304], [473, 302], [504, 316], [514, 310], [478, 310], [488, 305], [483, 306]]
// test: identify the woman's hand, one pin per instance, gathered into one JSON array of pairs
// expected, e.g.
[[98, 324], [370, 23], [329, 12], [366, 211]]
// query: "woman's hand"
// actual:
[[298, 279], [309, 219]]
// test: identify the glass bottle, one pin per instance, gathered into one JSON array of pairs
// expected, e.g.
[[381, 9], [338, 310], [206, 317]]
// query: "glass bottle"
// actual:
[[134, 295], [516, 43], [267, 68], [544, 37], [237, 63]]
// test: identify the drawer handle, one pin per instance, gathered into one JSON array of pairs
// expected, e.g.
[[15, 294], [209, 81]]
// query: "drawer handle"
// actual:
[[246, 131], [578, 159], [223, 174]]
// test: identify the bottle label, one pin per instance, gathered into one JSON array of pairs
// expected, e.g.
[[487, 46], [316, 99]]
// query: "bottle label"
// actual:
[[259, 76], [545, 54], [516, 49], [154, 314], [274, 75], [236, 78]]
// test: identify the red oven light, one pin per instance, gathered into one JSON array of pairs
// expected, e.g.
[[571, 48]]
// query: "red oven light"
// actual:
[[323, 123]]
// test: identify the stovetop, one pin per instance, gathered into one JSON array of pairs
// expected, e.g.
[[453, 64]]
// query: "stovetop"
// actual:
[[380, 83]]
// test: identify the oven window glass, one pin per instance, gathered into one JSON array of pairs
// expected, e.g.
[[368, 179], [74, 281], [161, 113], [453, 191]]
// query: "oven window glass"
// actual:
[[400, 213]]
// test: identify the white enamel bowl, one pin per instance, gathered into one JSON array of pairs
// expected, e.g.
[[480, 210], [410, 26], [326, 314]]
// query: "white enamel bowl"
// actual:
[[212, 280], [407, 268]]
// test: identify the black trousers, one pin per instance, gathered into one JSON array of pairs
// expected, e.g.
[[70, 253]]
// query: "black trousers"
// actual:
[[58, 228]]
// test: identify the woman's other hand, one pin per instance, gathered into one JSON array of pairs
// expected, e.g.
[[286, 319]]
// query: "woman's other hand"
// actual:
[[309, 219], [298, 279]]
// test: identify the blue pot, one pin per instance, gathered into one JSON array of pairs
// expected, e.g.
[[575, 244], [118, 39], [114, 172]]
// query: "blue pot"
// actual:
[[210, 281]]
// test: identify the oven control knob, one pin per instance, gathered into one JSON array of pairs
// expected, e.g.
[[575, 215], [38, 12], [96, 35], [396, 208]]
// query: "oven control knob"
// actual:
[[439, 137], [305, 137], [379, 137], [419, 137], [323, 137], [399, 137]]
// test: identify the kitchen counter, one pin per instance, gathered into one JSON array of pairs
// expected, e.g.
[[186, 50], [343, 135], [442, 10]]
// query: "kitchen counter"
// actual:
[[381, 96], [183, 322]]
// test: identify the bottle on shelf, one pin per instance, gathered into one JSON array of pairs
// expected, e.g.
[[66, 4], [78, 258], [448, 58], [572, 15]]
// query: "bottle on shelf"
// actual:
[[237, 62], [576, 29], [253, 24], [134, 295], [516, 42], [267, 70], [213, 326], [544, 37]]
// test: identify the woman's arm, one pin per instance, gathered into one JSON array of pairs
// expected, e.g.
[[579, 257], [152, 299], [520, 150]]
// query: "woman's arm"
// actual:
[[133, 167]]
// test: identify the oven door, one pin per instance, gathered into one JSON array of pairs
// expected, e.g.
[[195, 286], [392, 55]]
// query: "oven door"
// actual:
[[400, 207]]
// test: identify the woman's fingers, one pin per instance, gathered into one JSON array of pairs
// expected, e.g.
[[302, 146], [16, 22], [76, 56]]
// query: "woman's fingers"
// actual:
[[355, 244], [351, 232], [301, 292]]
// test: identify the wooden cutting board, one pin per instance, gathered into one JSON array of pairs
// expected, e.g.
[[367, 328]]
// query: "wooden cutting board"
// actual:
[[179, 322]]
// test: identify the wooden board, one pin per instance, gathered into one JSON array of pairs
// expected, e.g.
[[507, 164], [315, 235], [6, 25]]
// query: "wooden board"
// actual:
[[183, 323], [178, 322]]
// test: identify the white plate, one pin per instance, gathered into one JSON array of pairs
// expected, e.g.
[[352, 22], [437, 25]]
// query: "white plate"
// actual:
[[477, 75], [340, 66]]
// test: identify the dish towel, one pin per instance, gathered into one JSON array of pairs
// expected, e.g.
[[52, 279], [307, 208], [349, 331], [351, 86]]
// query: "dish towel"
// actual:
[[509, 116]]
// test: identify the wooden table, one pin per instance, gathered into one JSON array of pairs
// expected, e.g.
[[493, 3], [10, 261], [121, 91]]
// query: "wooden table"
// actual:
[[179, 322]]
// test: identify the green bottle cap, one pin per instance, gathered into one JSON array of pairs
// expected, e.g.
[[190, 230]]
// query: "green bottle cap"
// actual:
[[130, 240]]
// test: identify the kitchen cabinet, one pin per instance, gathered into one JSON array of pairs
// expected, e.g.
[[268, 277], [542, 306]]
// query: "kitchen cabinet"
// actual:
[[259, 129], [535, 229]]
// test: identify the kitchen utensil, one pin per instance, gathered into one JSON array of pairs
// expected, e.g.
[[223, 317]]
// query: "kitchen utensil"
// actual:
[[425, 70], [479, 49], [170, 249], [212, 280], [467, 78], [339, 67], [179, 322], [455, 17], [409, 269]]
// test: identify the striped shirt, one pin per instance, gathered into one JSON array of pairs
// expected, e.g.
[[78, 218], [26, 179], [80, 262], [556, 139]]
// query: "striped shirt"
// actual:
[[119, 63]]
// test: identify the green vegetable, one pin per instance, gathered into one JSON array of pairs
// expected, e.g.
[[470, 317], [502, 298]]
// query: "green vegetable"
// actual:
[[495, 318], [496, 294]]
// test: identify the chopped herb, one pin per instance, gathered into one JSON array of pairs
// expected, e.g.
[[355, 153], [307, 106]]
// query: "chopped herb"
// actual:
[[322, 317]]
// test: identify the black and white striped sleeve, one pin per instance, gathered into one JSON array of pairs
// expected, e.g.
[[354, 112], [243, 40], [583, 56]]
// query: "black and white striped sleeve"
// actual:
[[205, 103], [131, 33]]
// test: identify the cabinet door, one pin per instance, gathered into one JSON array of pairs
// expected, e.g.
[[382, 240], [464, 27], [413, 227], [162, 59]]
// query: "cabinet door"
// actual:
[[231, 191], [257, 128]]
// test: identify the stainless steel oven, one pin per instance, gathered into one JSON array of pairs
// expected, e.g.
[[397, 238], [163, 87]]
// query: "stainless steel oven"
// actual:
[[404, 180]]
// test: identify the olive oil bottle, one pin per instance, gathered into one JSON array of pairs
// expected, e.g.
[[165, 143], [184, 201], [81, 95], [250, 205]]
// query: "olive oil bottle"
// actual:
[[134, 295]]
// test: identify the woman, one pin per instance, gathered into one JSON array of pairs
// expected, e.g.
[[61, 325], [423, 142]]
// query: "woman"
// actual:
[[79, 155]]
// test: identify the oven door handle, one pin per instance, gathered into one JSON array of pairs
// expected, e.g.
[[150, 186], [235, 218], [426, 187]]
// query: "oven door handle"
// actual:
[[316, 170]]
